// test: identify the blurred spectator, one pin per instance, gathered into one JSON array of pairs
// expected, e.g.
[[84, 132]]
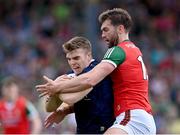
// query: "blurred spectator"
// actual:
[[17, 114]]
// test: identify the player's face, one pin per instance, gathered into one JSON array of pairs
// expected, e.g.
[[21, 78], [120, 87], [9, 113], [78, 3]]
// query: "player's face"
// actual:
[[78, 60], [109, 33], [11, 92]]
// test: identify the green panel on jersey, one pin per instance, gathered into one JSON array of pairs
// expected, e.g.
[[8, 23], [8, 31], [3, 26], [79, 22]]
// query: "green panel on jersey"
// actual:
[[115, 54]]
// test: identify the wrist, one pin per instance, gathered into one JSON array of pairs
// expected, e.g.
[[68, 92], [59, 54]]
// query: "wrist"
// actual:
[[58, 88], [65, 110]]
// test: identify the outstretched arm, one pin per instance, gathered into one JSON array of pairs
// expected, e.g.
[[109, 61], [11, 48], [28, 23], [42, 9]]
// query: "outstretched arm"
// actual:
[[78, 83], [71, 98], [54, 101]]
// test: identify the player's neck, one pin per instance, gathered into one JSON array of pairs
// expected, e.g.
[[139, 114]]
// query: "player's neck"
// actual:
[[123, 37]]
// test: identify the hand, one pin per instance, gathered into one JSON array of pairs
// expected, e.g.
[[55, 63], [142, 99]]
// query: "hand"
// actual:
[[54, 117], [58, 115], [49, 88]]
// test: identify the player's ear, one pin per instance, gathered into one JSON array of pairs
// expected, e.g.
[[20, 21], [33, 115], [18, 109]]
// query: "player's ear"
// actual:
[[89, 53], [120, 29]]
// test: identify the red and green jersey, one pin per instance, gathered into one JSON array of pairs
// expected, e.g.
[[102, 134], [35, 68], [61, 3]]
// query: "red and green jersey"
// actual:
[[14, 119], [130, 79]]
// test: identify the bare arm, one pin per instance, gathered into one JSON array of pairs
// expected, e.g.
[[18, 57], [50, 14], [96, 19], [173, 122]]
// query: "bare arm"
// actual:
[[87, 80], [79, 83], [71, 98], [54, 101]]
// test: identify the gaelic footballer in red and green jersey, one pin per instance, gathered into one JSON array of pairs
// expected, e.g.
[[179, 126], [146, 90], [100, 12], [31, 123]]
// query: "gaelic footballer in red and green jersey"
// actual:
[[130, 79]]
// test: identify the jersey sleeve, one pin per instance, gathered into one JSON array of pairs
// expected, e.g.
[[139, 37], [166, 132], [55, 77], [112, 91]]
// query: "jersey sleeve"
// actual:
[[115, 56], [31, 110]]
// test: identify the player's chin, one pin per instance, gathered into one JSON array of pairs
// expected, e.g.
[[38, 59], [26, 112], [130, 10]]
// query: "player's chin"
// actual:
[[108, 44], [77, 71]]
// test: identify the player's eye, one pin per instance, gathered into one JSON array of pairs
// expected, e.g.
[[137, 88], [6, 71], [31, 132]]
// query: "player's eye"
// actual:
[[76, 58], [68, 59], [105, 29]]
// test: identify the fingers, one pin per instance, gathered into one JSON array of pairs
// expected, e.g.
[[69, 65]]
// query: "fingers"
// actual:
[[43, 94], [47, 88], [41, 88], [47, 124], [44, 86], [50, 119]]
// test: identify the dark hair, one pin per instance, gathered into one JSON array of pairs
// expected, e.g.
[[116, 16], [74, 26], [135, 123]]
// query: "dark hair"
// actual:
[[76, 43], [117, 16]]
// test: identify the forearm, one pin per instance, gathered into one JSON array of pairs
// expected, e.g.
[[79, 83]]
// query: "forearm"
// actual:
[[71, 98], [87, 80], [77, 84], [66, 108]]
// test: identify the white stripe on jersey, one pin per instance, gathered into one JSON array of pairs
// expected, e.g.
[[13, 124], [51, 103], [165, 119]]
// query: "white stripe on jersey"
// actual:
[[107, 53], [111, 62], [110, 52]]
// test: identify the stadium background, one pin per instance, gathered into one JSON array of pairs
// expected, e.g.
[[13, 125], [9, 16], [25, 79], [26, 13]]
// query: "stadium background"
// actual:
[[32, 31]]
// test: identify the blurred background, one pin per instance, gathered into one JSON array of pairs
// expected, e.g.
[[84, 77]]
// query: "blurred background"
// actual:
[[32, 32]]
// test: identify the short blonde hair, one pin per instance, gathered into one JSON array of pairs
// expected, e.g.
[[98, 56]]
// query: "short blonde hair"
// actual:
[[76, 43]]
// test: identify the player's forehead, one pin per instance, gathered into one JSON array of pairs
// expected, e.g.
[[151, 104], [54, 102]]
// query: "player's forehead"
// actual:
[[76, 53], [10, 88], [106, 24]]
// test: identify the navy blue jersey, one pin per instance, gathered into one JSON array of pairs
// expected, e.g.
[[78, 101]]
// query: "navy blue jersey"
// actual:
[[94, 113]]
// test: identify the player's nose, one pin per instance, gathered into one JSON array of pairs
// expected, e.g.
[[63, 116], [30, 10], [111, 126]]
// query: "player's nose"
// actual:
[[102, 35]]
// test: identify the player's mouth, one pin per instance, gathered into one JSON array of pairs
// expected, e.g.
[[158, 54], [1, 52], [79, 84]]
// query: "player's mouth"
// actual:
[[75, 68], [107, 41]]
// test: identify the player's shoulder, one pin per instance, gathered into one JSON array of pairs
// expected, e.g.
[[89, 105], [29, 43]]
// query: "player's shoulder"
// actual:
[[92, 64], [114, 51]]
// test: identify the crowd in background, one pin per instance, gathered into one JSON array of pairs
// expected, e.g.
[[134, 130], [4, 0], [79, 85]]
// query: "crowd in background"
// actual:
[[32, 32]]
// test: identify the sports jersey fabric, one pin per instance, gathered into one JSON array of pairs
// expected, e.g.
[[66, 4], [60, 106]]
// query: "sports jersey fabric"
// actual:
[[130, 80], [14, 119], [94, 113]]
